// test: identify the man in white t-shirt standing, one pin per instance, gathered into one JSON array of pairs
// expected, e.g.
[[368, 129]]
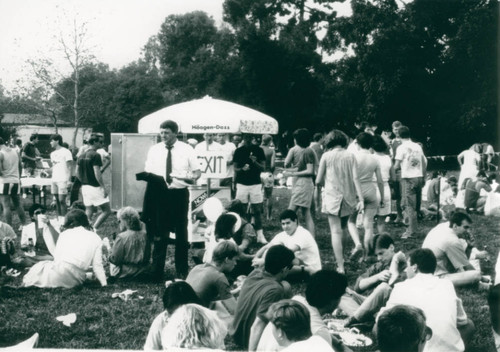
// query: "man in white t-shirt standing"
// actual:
[[61, 159], [298, 240], [410, 159]]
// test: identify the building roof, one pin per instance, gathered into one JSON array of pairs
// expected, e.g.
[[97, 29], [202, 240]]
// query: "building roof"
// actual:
[[30, 119]]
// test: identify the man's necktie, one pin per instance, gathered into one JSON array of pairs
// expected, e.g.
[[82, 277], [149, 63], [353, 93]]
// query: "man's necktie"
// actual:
[[169, 163]]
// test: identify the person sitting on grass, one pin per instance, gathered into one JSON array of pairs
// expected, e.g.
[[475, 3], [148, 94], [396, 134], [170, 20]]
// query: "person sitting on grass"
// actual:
[[437, 299], [373, 288], [37, 241], [473, 199], [452, 261], [323, 292], [245, 236], [77, 250], [127, 254], [210, 282], [291, 326], [261, 288], [7, 245], [176, 294], [298, 240], [193, 327], [402, 329]]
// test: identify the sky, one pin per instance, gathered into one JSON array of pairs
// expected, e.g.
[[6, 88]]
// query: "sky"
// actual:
[[117, 29]]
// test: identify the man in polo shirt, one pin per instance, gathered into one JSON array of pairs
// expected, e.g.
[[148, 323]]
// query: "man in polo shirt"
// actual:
[[209, 280], [261, 288], [452, 262], [176, 162], [94, 192]]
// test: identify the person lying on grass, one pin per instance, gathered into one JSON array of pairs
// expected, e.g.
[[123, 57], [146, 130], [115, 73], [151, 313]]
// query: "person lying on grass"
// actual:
[[176, 294], [323, 292], [373, 288], [77, 250], [300, 241]]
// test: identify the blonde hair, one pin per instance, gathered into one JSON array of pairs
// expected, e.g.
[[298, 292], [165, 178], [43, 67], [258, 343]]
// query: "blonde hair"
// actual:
[[130, 217], [194, 327]]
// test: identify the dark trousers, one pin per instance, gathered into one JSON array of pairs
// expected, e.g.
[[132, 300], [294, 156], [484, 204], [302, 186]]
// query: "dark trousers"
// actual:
[[75, 190], [178, 202]]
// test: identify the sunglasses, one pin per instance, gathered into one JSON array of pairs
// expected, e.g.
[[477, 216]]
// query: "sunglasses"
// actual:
[[39, 211]]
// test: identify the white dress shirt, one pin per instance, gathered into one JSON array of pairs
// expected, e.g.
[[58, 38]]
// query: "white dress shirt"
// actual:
[[183, 161]]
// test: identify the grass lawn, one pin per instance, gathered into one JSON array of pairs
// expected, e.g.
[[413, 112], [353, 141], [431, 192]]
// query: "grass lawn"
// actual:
[[107, 323]]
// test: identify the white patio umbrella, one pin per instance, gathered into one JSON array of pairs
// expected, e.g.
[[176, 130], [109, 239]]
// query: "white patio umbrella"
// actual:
[[210, 115]]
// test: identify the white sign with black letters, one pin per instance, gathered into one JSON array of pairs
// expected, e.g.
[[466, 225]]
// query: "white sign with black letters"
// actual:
[[212, 164]]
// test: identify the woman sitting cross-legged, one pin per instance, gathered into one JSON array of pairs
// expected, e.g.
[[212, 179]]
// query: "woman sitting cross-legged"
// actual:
[[77, 249], [127, 254]]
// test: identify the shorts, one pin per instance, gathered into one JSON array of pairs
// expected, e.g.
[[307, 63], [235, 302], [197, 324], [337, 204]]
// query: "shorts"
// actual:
[[59, 187], [411, 191], [386, 209], [249, 194], [93, 196], [370, 199], [302, 193], [10, 188]]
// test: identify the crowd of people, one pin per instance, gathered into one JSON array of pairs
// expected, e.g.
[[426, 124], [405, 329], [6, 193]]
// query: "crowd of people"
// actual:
[[242, 282]]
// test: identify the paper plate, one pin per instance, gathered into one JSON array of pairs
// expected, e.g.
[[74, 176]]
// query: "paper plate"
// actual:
[[353, 339]]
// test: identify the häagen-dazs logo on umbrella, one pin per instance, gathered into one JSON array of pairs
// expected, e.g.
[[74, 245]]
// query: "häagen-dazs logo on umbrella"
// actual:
[[213, 127]]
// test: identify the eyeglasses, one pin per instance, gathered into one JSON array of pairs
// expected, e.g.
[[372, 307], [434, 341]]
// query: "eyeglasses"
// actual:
[[39, 211]]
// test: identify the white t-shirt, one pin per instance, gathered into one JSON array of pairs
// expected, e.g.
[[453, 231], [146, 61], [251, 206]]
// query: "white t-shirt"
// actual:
[[443, 309], [314, 343], [308, 252], [412, 158], [60, 170]]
